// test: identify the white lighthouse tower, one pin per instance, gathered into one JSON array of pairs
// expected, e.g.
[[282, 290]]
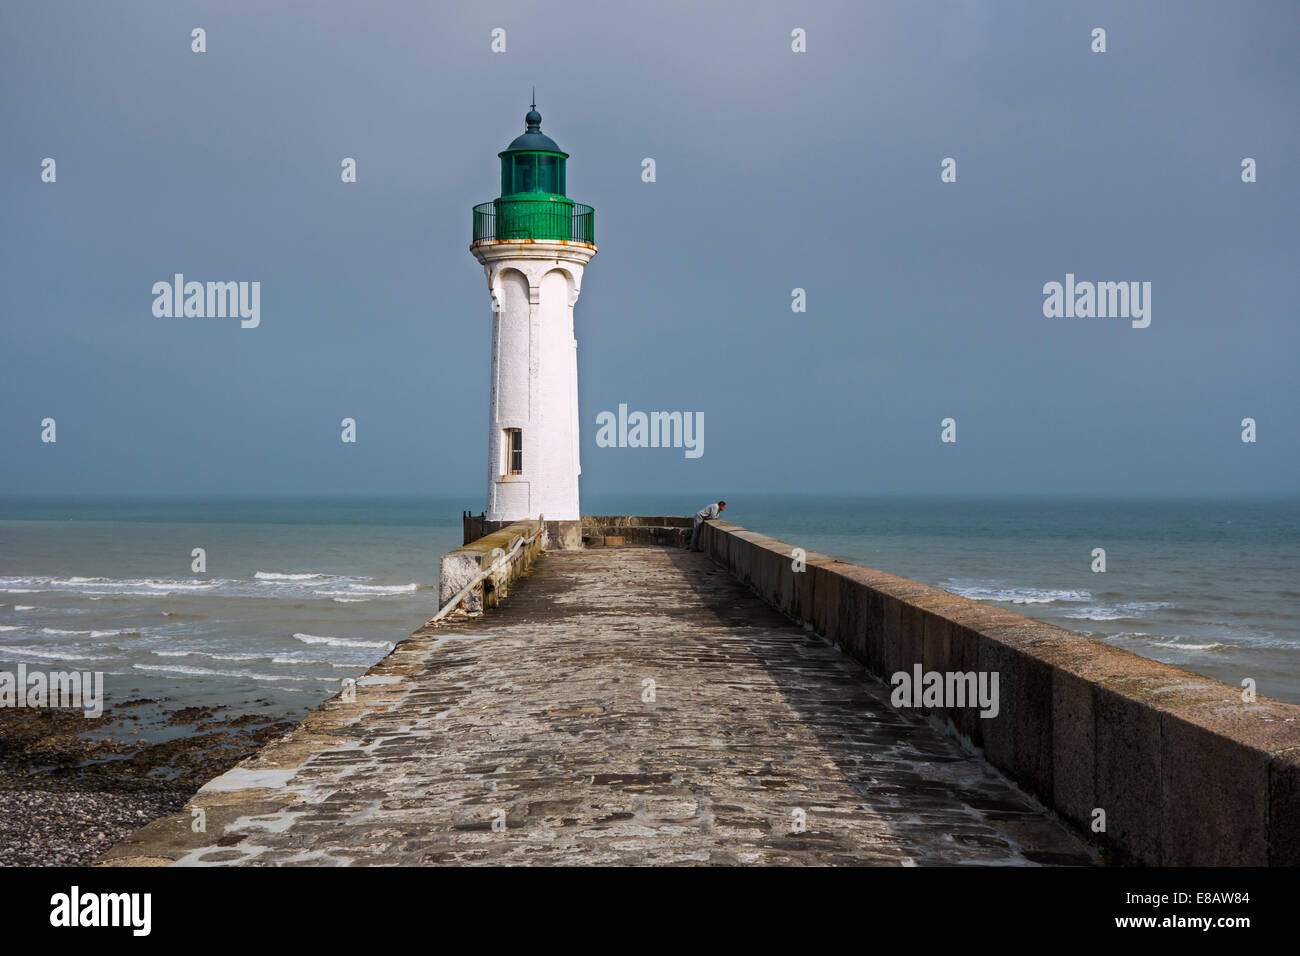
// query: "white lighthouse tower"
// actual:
[[534, 243]]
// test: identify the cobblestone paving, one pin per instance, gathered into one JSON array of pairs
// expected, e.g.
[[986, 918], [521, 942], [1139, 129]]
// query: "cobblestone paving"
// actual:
[[529, 736]]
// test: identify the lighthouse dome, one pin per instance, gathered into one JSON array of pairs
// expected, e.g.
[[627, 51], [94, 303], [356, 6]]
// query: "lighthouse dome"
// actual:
[[532, 137]]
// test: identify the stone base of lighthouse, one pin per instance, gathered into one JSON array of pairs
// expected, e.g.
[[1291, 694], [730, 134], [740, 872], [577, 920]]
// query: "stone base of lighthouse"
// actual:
[[533, 433]]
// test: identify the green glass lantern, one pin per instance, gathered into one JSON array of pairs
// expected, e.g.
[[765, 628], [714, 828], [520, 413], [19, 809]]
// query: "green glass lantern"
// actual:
[[533, 204]]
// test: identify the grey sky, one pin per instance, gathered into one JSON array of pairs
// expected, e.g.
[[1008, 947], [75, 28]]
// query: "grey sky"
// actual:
[[775, 170]]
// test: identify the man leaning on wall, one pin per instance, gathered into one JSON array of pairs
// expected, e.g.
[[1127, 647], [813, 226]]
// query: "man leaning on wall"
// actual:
[[707, 513]]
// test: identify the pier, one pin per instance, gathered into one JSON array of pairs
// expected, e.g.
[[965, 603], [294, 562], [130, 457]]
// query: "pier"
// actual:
[[639, 704], [533, 716]]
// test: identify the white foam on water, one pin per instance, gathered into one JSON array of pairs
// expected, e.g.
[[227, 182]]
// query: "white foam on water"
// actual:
[[274, 585], [48, 654], [1116, 612], [309, 662], [339, 641], [362, 591], [103, 586], [1178, 641], [208, 672], [211, 656], [1014, 595], [59, 632], [118, 595]]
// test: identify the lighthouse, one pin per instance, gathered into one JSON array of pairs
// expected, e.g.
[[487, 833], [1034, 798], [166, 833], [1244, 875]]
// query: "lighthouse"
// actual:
[[534, 243]]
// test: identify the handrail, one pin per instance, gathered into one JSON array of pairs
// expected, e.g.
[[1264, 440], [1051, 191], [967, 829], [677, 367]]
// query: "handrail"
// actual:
[[454, 602], [538, 219]]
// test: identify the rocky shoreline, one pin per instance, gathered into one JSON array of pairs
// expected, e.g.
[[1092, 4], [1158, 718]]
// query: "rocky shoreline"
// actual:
[[71, 786]]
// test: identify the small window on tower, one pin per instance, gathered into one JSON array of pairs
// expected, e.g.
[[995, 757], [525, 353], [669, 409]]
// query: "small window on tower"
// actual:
[[514, 451]]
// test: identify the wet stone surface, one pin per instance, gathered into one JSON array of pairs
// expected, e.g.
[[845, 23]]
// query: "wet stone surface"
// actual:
[[530, 736]]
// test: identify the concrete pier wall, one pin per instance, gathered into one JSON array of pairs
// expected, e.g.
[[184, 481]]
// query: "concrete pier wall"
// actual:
[[611, 531], [1179, 768], [596, 531], [458, 568]]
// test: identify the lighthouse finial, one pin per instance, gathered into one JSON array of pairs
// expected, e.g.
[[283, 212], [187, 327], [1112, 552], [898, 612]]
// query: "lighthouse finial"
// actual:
[[533, 121]]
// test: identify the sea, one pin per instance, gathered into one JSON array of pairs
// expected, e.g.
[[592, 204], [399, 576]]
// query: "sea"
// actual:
[[296, 596]]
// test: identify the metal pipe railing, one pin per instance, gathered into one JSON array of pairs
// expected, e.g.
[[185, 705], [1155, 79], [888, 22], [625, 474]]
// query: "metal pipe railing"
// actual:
[[504, 219], [454, 602]]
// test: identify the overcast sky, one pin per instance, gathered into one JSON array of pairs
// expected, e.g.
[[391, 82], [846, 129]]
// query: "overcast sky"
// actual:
[[776, 170]]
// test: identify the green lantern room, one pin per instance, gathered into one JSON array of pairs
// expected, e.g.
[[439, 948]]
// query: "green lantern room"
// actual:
[[533, 204]]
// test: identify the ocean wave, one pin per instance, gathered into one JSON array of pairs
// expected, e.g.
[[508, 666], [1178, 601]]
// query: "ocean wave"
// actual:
[[211, 656], [209, 672], [339, 641], [58, 632], [27, 607], [1011, 595], [1116, 612], [276, 576], [10, 627], [1226, 635], [1178, 641], [274, 585], [32, 583], [123, 595], [295, 661], [365, 591], [44, 653], [312, 662]]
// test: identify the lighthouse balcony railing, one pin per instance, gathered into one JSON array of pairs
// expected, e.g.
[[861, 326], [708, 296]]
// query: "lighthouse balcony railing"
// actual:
[[504, 219]]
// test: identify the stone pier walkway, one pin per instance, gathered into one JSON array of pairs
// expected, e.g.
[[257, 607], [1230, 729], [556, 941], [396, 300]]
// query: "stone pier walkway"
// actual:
[[531, 736]]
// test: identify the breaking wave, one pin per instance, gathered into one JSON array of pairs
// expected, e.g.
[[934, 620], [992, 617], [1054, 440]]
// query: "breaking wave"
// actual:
[[1011, 595], [340, 641]]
